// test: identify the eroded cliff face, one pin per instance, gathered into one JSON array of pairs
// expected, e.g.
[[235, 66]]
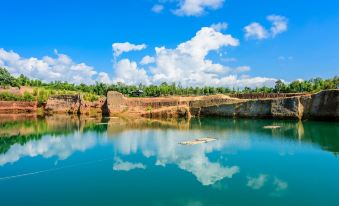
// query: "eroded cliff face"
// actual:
[[160, 107], [261, 108], [63, 104], [13, 107], [73, 104], [322, 105]]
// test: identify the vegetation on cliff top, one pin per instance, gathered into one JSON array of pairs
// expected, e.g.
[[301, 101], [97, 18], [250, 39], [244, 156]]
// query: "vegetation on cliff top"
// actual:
[[91, 92], [6, 96]]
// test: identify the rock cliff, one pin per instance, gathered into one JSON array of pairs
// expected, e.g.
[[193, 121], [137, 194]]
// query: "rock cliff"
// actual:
[[73, 104], [322, 105], [13, 107]]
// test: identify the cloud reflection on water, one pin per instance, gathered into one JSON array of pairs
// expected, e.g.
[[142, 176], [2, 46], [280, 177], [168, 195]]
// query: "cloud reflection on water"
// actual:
[[166, 150]]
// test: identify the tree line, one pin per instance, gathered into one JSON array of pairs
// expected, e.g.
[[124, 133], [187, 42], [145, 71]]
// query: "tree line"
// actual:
[[166, 89]]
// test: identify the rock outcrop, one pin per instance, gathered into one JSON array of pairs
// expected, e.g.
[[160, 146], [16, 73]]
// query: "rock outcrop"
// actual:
[[322, 105], [13, 107], [63, 104], [73, 104], [159, 107]]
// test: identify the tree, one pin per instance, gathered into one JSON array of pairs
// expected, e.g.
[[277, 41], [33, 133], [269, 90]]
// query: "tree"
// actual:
[[6, 79], [279, 85]]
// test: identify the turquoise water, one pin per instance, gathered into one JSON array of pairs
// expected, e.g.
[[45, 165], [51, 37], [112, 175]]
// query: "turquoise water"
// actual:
[[86, 161]]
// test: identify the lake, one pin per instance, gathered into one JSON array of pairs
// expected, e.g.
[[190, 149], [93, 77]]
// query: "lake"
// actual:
[[70, 160]]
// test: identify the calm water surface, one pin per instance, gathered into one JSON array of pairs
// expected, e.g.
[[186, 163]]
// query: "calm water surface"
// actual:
[[63, 160]]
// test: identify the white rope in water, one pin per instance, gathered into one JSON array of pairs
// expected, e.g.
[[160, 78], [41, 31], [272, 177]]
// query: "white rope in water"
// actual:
[[53, 169]]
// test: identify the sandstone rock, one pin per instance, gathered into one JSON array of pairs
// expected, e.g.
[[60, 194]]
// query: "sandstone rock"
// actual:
[[73, 104], [63, 104], [323, 105], [10, 107], [92, 108]]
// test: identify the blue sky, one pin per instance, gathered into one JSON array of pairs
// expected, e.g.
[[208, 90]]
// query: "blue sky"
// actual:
[[84, 31]]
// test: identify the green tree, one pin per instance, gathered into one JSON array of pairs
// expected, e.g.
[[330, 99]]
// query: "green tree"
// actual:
[[6, 79], [279, 85]]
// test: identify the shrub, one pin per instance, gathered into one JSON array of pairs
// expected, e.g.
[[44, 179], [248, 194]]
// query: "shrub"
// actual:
[[6, 96]]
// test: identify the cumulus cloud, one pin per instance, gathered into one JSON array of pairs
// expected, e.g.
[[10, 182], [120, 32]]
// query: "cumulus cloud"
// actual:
[[279, 24], [189, 64], [219, 26], [128, 72], [191, 7], [196, 7], [147, 60], [119, 48], [59, 68], [120, 165], [256, 31], [157, 8]]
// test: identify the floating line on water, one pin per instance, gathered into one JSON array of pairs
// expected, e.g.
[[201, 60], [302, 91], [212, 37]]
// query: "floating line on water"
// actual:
[[53, 169]]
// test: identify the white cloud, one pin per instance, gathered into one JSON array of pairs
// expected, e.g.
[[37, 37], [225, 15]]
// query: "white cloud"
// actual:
[[147, 60], [196, 7], [242, 69], [157, 8], [104, 78], [219, 26], [119, 48], [60, 68], [120, 165], [257, 31], [257, 182], [279, 24], [189, 65], [127, 72]]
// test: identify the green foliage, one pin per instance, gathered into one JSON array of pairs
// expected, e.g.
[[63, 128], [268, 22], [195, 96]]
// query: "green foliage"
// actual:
[[90, 97], [6, 79], [5, 96]]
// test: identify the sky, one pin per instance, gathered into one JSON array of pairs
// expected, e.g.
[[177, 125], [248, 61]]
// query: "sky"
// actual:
[[231, 43]]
